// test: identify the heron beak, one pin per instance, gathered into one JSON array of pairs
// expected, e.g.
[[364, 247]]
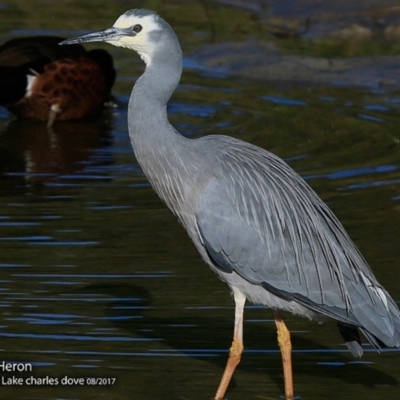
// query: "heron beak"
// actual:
[[109, 35]]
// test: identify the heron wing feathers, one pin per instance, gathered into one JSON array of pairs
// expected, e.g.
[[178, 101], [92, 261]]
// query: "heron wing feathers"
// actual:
[[257, 217]]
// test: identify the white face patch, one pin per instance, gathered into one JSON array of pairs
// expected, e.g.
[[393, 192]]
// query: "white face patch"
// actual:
[[139, 42], [148, 22]]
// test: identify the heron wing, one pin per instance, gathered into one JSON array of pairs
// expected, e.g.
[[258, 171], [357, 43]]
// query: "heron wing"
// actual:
[[260, 219]]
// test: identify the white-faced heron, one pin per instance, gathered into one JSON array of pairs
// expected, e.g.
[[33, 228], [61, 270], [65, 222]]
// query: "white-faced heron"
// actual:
[[255, 221]]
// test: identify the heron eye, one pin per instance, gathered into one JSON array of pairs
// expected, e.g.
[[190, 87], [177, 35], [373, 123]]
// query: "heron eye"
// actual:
[[137, 28]]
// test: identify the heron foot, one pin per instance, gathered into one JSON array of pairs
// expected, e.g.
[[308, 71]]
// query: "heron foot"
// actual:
[[285, 345], [235, 354]]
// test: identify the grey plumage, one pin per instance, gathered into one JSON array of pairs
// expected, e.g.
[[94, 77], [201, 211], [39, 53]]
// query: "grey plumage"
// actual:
[[275, 232], [253, 219]]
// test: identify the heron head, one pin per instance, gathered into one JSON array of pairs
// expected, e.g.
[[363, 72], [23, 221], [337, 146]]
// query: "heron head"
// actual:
[[138, 29]]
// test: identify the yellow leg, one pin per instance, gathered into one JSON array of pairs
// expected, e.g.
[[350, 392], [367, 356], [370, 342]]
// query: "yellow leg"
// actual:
[[286, 352], [236, 350]]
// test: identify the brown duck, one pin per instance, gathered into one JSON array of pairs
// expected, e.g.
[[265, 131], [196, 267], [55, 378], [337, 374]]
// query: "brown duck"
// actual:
[[40, 80]]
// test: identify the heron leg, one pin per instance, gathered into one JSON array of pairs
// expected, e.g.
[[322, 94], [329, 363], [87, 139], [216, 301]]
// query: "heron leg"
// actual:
[[236, 350], [286, 352]]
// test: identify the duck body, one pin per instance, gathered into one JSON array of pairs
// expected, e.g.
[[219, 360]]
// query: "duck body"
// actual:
[[42, 81]]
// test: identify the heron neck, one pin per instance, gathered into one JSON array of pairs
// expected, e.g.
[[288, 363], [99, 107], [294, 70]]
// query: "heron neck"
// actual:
[[147, 118], [159, 148]]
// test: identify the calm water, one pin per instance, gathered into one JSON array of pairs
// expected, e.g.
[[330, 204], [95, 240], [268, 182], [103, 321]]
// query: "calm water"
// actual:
[[99, 280]]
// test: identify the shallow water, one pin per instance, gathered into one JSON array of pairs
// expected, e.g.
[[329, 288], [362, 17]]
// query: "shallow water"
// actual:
[[99, 280]]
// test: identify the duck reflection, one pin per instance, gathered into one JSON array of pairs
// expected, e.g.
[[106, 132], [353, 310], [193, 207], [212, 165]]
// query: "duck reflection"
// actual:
[[32, 154]]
